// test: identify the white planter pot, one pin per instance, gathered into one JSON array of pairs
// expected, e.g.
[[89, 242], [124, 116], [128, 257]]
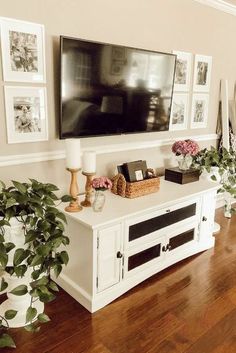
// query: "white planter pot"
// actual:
[[214, 172], [15, 234]]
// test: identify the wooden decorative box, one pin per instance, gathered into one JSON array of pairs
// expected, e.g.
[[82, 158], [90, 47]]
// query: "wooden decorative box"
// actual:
[[135, 189], [181, 176]]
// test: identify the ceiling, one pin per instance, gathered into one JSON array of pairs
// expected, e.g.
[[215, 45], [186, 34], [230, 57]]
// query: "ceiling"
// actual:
[[232, 2]]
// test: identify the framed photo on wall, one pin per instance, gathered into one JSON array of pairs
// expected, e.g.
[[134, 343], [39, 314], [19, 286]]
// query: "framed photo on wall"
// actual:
[[202, 73], [179, 112], [199, 112], [183, 71], [26, 114], [23, 51]]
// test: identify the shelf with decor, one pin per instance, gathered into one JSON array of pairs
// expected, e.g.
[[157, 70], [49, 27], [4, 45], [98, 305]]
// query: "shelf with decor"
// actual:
[[132, 239]]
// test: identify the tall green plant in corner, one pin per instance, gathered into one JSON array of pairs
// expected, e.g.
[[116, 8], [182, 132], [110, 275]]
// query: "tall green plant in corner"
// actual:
[[32, 206]]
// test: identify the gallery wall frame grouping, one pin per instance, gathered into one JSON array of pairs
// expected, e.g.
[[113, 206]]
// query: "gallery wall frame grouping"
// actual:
[[23, 62], [191, 91]]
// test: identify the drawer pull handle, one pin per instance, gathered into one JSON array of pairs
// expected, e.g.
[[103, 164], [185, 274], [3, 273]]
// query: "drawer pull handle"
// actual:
[[119, 255], [204, 219], [168, 210]]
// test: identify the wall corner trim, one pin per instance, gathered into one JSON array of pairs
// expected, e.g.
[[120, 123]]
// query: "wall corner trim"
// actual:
[[104, 149], [221, 5]]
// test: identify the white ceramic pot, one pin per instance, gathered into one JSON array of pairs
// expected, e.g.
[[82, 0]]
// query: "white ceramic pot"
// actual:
[[15, 234]]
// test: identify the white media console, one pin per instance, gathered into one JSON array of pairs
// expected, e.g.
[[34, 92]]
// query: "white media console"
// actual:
[[132, 239]]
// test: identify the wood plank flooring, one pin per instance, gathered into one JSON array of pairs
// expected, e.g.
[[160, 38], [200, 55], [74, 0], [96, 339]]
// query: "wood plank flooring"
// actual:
[[188, 308]]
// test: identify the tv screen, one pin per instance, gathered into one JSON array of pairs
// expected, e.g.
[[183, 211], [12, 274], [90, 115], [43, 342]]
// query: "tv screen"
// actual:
[[110, 89]]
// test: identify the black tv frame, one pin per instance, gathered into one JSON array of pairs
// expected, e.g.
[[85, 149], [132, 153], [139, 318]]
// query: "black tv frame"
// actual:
[[62, 37]]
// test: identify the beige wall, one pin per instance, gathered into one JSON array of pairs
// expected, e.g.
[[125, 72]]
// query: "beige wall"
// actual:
[[163, 25]]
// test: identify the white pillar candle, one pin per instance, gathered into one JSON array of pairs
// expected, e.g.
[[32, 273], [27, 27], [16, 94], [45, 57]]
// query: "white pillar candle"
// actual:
[[73, 160], [89, 162]]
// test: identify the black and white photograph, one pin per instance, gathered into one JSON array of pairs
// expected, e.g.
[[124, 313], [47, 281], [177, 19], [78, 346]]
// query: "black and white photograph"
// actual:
[[26, 114], [202, 73], [183, 71], [202, 69], [199, 111], [23, 49], [179, 112]]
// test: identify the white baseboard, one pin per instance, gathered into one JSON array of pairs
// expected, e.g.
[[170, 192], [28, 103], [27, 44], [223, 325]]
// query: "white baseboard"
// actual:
[[104, 149]]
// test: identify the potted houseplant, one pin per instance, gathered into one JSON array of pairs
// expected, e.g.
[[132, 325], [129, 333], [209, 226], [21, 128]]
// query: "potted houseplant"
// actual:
[[220, 166], [31, 236]]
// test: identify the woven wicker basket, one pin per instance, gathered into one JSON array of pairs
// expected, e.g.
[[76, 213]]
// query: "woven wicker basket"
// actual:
[[135, 189], [143, 187]]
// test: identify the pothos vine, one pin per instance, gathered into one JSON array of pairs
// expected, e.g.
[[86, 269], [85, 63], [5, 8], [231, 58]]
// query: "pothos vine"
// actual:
[[33, 204]]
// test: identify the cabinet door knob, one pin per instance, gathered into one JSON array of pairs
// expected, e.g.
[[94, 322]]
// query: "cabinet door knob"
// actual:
[[164, 248], [204, 219], [119, 255], [168, 210]]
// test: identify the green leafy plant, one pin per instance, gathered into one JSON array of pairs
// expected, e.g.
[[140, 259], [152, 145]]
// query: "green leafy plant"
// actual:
[[225, 162], [34, 205]]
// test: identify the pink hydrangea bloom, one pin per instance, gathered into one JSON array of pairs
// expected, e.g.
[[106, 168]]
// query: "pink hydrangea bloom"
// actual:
[[185, 147], [101, 183]]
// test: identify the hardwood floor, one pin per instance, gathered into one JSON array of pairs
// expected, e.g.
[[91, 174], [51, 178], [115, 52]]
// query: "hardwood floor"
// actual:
[[188, 308]]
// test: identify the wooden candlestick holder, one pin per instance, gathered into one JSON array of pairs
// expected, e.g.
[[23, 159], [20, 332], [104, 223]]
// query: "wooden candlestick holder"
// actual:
[[88, 189], [74, 205]]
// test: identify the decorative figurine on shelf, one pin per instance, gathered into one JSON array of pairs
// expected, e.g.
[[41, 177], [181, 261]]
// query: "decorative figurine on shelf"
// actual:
[[150, 173], [185, 150], [73, 166], [100, 185], [89, 170]]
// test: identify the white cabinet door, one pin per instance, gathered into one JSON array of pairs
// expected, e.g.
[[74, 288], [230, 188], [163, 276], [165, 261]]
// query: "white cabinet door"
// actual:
[[109, 257]]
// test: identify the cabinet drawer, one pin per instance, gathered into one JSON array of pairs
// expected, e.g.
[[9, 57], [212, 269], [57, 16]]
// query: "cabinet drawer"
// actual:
[[156, 223]]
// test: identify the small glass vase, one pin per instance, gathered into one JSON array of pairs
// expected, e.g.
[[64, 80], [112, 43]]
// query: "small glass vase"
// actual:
[[99, 201], [184, 162]]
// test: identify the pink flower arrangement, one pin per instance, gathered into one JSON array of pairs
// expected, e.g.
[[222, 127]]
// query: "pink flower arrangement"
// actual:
[[185, 147], [102, 183]]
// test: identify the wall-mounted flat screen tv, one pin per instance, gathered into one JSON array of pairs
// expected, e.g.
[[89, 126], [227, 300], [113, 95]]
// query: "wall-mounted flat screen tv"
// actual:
[[109, 89]]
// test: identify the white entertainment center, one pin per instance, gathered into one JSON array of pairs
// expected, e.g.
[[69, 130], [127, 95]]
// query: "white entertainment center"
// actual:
[[132, 239]]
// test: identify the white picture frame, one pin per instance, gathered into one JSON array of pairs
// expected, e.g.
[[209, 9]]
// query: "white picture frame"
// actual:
[[202, 73], [179, 112], [183, 71], [26, 114], [199, 113], [23, 51]]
